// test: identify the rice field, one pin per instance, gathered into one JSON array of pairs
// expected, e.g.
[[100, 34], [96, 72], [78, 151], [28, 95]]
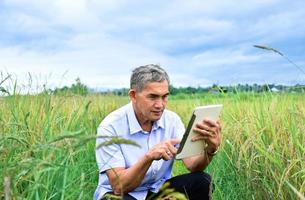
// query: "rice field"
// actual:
[[47, 144]]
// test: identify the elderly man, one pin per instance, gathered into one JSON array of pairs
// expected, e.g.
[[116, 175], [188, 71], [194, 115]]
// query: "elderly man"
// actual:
[[138, 173]]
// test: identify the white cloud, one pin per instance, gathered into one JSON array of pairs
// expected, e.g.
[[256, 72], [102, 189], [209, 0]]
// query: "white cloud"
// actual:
[[91, 57], [184, 80], [226, 56], [198, 42]]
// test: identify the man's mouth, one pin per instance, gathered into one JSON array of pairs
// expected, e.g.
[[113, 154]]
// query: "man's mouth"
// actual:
[[157, 112]]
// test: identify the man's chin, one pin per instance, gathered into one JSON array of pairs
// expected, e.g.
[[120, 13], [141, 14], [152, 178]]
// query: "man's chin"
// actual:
[[156, 116]]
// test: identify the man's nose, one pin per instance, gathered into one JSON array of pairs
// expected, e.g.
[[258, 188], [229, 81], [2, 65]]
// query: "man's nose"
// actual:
[[159, 103]]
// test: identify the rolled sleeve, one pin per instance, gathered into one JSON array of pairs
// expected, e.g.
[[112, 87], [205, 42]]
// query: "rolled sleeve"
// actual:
[[108, 156]]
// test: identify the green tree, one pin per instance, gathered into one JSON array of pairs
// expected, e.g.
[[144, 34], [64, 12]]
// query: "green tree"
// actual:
[[76, 88]]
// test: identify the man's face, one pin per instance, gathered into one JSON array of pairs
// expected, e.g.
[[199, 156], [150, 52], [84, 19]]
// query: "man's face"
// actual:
[[150, 103]]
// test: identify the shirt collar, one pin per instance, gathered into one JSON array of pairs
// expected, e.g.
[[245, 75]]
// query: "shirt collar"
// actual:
[[134, 126]]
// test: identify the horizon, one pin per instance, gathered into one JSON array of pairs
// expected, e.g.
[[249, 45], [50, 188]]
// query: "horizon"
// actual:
[[32, 87]]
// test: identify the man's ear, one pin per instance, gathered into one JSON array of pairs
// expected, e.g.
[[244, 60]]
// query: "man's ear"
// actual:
[[132, 95]]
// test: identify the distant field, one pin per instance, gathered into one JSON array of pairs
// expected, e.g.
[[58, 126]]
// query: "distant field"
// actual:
[[47, 144]]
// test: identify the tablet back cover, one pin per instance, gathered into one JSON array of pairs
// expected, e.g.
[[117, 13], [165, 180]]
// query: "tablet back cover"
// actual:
[[187, 147]]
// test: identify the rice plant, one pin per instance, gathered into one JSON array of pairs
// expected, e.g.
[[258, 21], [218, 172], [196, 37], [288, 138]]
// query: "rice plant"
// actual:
[[47, 144]]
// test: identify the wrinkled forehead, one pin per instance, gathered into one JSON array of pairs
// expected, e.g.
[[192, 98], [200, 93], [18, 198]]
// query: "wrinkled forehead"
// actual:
[[156, 87]]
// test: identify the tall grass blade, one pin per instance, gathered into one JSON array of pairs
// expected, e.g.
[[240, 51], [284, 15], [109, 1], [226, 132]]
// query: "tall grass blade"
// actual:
[[281, 54], [300, 196]]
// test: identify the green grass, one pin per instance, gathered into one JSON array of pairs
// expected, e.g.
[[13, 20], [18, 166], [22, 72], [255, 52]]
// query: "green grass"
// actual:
[[47, 144]]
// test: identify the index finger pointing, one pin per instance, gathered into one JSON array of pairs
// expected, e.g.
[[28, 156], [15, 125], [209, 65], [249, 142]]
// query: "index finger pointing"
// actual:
[[174, 141]]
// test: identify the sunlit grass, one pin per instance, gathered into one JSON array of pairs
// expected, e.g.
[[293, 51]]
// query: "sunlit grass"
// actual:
[[262, 155], [263, 147]]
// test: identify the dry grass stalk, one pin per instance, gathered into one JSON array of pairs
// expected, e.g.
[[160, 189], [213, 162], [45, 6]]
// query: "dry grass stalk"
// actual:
[[6, 188]]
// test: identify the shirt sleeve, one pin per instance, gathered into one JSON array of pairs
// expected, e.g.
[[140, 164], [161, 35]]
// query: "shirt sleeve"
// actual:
[[107, 156]]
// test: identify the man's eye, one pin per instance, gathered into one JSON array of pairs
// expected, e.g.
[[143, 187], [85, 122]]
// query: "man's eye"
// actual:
[[153, 97]]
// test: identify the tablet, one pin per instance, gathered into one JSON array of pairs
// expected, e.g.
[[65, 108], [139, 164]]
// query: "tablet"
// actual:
[[188, 148]]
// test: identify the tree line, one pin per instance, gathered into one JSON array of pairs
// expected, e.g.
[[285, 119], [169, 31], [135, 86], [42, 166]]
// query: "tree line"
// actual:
[[79, 88]]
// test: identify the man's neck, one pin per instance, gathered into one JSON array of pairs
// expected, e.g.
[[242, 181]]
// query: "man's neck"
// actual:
[[145, 124]]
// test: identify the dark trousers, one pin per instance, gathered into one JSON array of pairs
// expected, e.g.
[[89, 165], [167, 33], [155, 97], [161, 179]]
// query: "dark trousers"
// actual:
[[195, 186]]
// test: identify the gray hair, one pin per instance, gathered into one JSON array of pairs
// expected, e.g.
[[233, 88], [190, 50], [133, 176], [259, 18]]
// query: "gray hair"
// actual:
[[146, 74]]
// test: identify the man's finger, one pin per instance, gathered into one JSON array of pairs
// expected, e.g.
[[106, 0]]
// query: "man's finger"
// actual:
[[205, 127], [174, 141], [198, 137], [202, 132], [210, 122], [172, 149], [165, 156]]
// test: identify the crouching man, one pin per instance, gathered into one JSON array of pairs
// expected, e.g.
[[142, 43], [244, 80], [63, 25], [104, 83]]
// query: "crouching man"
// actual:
[[138, 173]]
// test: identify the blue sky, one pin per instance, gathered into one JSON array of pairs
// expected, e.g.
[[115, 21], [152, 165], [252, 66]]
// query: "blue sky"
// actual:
[[198, 42]]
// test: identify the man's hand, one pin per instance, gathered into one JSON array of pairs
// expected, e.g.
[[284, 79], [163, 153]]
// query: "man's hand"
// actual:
[[165, 150], [210, 131]]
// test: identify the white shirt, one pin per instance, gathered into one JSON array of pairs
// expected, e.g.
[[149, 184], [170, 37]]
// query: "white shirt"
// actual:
[[123, 123]]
